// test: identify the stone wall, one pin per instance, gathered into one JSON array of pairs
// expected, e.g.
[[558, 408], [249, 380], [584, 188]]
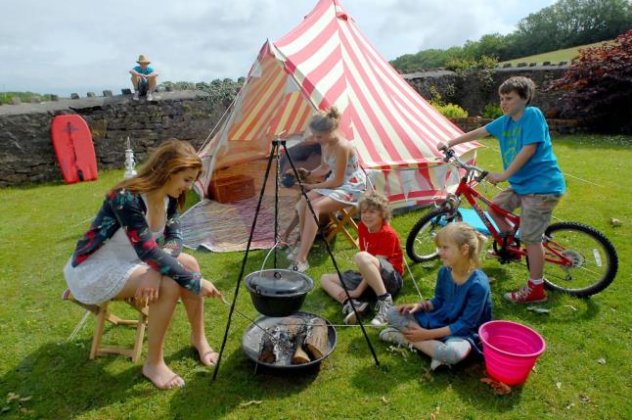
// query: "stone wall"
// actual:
[[556, 125], [27, 155], [474, 90]]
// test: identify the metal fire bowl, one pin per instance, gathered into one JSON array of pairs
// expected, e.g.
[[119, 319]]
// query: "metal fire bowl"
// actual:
[[252, 339]]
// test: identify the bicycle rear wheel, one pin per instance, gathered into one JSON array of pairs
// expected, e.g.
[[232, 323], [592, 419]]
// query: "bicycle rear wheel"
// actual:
[[594, 259], [420, 244]]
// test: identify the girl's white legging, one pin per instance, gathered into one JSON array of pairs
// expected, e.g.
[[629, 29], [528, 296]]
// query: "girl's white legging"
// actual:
[[452, 351]]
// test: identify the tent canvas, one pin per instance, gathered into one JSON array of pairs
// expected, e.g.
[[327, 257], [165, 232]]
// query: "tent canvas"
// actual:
[[326, 61]]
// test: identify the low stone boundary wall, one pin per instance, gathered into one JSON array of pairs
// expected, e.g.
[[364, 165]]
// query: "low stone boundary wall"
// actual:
[[556, 126], [27, 156], [26, 151]]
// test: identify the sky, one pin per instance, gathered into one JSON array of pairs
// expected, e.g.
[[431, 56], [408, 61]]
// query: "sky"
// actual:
[[87, 45]]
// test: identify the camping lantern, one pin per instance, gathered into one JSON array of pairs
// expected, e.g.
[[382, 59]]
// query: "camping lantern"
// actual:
[[129, 161]]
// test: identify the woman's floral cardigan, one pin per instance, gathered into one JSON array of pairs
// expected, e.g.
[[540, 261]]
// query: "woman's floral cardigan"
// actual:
[[127, 210]]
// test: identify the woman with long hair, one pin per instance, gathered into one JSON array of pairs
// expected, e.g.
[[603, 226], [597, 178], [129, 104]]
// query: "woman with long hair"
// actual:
[[119, 257]]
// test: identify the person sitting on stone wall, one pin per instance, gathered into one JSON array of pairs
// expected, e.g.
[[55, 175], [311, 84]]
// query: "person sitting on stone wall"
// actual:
[[144, 78]]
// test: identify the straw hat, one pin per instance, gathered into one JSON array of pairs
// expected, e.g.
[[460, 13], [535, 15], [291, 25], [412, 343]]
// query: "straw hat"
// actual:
[[143, 60]]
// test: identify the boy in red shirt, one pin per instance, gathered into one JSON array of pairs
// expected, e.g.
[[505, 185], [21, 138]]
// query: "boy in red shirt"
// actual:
[[380, 264]]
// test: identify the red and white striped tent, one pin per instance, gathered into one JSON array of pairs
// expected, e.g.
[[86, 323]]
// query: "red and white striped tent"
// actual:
[[326, 61]]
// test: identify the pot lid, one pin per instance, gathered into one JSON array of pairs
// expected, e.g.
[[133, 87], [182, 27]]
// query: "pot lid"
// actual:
[[279, 282]]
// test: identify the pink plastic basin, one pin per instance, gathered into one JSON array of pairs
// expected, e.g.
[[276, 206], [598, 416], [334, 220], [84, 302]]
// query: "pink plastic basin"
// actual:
[[510, 350]]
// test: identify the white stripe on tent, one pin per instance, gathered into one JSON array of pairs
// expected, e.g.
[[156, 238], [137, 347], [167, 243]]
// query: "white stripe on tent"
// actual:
[[300, 41], [399, 85], [398, 143]]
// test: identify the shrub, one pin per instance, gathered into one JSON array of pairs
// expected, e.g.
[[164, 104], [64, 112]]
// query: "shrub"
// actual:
[[450, 110], [7, 97], [492, 111], [599, 84], [447, 110]]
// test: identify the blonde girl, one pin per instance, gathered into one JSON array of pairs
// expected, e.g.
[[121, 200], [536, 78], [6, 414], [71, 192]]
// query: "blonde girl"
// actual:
[[446, 326]]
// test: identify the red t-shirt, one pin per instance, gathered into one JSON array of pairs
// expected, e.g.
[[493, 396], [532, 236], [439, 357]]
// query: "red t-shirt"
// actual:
[[384, 242]]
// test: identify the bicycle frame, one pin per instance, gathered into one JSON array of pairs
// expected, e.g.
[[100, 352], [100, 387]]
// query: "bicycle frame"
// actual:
[[473, 197], [510, 244]]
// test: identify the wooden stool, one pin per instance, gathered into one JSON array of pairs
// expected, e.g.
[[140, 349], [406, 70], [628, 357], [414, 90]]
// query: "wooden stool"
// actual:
[[342, 221], [104, 314]]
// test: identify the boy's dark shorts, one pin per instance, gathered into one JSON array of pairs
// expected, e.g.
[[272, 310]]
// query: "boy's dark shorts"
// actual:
[[392, 280]]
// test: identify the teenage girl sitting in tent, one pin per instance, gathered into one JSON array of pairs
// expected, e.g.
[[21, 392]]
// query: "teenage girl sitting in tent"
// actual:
[[342, 188]]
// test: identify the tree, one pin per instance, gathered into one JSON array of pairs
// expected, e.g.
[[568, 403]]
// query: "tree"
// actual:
[[494, 45], [565, 24], [599, 84], [568, 23]]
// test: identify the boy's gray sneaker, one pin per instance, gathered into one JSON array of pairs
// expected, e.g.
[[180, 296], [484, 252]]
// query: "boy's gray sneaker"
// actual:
[[382, 307], [360, 306]]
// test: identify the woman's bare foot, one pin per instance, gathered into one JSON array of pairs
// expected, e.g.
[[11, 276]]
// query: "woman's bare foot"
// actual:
[[208, 357], [162, 377]]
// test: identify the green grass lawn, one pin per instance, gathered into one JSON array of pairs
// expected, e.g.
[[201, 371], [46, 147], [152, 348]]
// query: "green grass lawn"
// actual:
[[554, 57], [585, 372]]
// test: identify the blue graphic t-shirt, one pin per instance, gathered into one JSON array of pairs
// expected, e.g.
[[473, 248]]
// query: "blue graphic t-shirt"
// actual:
[[147, 70], [540, 174]]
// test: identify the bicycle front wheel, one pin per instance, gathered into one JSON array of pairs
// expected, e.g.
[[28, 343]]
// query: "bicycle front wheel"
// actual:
[[594, 260], [420, 244]]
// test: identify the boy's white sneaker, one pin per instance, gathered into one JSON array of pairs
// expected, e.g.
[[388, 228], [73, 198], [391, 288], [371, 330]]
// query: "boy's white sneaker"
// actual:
[[360, 306]]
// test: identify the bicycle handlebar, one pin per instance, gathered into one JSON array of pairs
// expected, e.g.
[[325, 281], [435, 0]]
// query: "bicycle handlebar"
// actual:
[[450, 155]]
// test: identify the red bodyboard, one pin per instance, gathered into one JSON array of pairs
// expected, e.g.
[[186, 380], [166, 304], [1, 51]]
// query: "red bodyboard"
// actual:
[[73, 146]]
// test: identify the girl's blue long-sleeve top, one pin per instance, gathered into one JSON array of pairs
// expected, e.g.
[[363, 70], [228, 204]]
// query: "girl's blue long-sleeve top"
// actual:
[[462, 307]]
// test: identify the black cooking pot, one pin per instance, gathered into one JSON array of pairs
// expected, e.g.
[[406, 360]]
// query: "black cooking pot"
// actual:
[[278, 292]]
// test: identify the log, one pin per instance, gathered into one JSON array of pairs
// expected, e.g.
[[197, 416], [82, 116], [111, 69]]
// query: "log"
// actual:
[[297, 330], [266, 349], [317, 338]]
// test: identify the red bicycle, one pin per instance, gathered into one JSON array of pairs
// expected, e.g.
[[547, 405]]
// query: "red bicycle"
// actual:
[[579, 260]]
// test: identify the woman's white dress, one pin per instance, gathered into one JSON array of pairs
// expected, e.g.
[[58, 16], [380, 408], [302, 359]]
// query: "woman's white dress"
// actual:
[[354, 184], [102, 276]]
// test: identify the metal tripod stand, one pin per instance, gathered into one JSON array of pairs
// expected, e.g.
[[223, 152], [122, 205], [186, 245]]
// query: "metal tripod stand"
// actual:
[[277, 144]]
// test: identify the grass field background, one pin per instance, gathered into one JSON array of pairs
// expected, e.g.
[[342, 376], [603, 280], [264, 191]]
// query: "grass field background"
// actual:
[[553, 57], [585, 372]]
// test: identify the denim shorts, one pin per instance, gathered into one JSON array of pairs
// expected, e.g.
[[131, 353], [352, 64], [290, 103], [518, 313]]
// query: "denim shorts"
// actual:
[[392, 279]]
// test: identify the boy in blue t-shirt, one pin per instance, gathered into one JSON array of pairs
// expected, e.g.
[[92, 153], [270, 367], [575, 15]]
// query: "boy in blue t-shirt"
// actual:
[[144, 76], [535, 180]]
